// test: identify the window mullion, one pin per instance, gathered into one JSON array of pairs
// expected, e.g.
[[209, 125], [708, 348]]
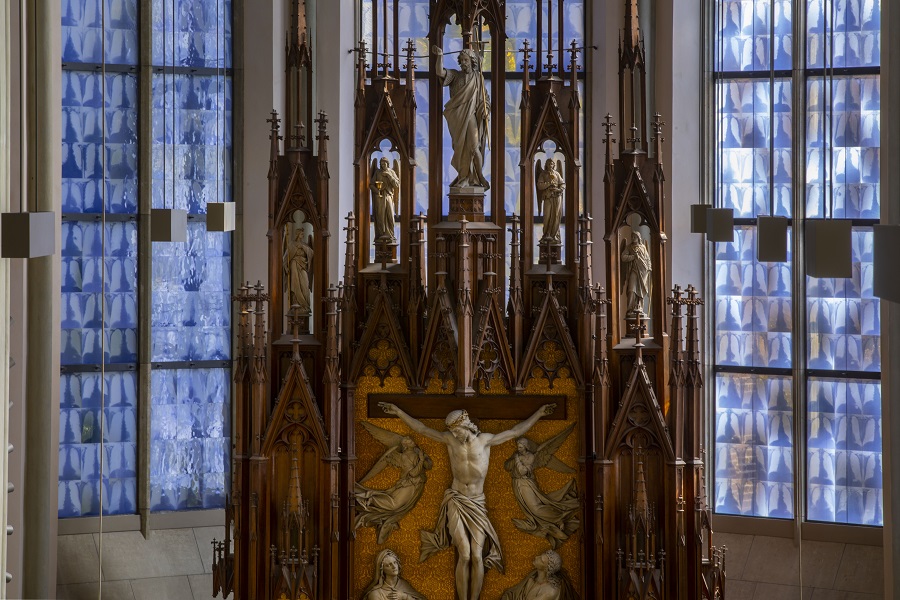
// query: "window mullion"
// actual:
[[145, 254], [798, 184]]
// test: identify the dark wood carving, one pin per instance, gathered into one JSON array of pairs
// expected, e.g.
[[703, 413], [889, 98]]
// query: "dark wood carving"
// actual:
[[465, 307]]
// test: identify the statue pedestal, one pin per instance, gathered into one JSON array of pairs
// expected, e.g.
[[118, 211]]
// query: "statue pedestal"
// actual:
[[385, 251], [466, 202], [554, 250]]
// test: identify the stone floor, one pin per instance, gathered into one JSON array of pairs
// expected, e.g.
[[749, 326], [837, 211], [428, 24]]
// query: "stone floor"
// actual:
[[175, 564], [769, 568]]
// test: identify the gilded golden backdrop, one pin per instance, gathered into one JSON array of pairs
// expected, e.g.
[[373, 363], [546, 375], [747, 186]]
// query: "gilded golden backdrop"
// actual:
[[435, 577]]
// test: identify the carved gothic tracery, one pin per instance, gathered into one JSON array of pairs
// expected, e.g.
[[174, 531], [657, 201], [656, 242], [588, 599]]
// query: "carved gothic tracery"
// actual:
[[452, 303]]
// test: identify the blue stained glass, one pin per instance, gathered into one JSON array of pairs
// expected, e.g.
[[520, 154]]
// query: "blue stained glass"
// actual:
[[844, 460], [202, 157], [202, 33], [753, 305], [745, 121], [854, 32], [82, 40], [190, 438], [521, 25], [82, 143], [91, 281], [854, 122], [422, 120], [843, 315], [744, 35], [754, 446], [81, 430], [513, 130], [191, 306]]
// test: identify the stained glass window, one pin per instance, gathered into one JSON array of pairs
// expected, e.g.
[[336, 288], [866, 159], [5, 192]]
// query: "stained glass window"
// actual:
[[190, 309], [189, 444], [754, 445], [758, 326]]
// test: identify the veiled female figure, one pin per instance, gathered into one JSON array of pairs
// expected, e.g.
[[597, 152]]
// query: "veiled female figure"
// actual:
[[387, 583], [554, 515], [383, 509]]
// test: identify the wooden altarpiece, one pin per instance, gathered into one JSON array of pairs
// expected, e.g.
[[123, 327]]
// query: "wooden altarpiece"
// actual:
[[465, 306]]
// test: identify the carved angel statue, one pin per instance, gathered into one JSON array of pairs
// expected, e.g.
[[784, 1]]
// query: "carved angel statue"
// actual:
[[547, 581], [550, 187], [385, 186], [386, 582], [552, 516], [636, 272], [383, 509]]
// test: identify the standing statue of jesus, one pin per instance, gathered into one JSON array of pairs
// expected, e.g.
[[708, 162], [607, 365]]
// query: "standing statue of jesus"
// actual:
[[463, 519]]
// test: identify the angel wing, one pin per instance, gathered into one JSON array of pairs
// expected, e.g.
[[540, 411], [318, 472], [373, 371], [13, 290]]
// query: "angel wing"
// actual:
[[559, 167], [538, 171], [391, 440], [396, 168], [544, 455]]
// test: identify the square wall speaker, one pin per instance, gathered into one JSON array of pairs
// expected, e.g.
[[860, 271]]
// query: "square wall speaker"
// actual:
[[886, 272], [168, 225], [829, 248], [720, 225], [28, 234], [698, 217], [220, 216], [771, 239]]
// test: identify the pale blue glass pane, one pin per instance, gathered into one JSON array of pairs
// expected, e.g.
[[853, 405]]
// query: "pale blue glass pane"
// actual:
[[754, 446], [422, 120], [744, 40], [513, 132], [82, 427], [844, 466], [843, 315], [854, 31], [202, 33], [202, 154], [521, 25], [745, 141], [854, 133], [82, 143], [412, 17], [189, 438], [191, 306], [753, 305], [82, 40], [92, 282]]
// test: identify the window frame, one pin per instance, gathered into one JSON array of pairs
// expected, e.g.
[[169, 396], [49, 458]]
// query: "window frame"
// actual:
[[799, 372], [144, 69]]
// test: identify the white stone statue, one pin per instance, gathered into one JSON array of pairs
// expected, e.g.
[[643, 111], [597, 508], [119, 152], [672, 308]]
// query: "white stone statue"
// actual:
[[387, 583], [547, 581], [636, 273], [385, 186], [550, 189], [552, 516], [383, 509], [296, 262], [467, 113], [463, 518]]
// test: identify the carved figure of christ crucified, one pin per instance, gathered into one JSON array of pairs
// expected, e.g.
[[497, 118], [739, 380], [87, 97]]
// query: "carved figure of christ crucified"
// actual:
[[463, 518]]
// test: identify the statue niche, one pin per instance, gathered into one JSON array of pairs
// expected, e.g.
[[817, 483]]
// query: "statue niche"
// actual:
[[384, 182], [637, 266], [297, 260], [551, 188]]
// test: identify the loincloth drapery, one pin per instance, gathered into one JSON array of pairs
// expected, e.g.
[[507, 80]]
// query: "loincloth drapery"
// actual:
[[471, 514]]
